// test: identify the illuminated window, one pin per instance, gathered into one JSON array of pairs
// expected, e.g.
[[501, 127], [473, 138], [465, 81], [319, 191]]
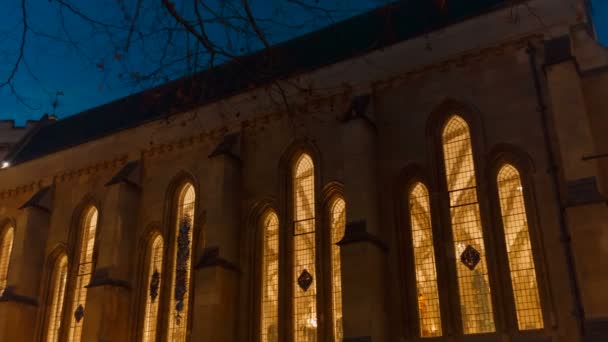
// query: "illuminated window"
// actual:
[[519, 249], [6, 245], [429, 315], [153, 289], [83, 277], [338, 223], [304, 270], [58, 281], [270, 278], [182, 258], [473, 281]]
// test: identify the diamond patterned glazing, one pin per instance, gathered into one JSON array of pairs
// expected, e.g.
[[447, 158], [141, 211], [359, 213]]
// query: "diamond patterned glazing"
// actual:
[[84, 271], [6, 246], [429, 315], [151, 311], [178, 320], [338, 224], [474, 288], [519, 249], [270, 279], [304, 301], [58, 281]]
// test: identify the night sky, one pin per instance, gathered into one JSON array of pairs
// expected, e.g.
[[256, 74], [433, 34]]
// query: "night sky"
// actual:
[[88, 69]]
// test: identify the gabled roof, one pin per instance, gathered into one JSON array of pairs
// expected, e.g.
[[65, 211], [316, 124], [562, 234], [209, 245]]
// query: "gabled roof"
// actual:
[[373, 30]]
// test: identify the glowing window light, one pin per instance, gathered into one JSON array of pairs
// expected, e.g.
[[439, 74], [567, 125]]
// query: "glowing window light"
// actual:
[[338, 224], [58, 282], [304, 285], [270, 278], [429, 315], [473, 284], [83, 277], [178, 319], [153, 284], [519, 249], [6, 246]]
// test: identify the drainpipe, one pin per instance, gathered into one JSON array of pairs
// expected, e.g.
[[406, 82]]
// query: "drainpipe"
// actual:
[[565, 237]]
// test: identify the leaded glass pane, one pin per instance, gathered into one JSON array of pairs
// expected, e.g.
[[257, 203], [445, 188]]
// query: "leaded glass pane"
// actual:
[[270, 279], [182, 258], [58, 282], [153, 284], [304, 288], [83, 275], [338, 224], [429, 315], [473, 283], [519, 249], [6, 246]]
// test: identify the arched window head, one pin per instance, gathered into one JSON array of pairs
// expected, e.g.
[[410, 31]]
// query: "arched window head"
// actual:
[[84, 272], [270, 278], [153, 285], [182, 261], [338, 224], [519, 249], [304, 251], [471, 267], [429, 315], [6, 246], [58, 279]]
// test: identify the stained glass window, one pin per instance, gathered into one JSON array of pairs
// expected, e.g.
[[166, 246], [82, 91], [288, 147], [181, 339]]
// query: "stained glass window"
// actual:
[[473, 281], [182, 258], [429, 315], [83, 276], [338, 224], [270, 278], [152, 289], [57, 288], [519, 249], [6, 245], [304, 286]]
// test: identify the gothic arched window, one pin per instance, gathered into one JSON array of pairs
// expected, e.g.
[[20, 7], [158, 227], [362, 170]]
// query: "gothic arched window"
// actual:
[[427, 294], [471, 267], [519, 249], [270, 278], [6, 246], [182, 260], [304, 251], [338, 224], [153, 282], [84, 272], [57, 290]]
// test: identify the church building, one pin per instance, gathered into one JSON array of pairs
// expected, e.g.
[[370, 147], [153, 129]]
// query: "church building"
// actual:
[[427, 171]]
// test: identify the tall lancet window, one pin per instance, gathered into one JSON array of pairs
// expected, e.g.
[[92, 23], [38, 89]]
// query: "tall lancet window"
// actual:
[[270, 278], [338, 224], [304, 249], [182, 259], [83, 275], [57, 290], [154, 275], [6, 245], [519, 249], [471, 266], [429, 315]]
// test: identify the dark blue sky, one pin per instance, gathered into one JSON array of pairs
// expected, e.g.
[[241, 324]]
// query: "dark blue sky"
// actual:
[[87, 62]]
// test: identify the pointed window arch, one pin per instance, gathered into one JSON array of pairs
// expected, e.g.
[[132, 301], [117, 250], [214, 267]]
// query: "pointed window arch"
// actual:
[[182, 260], [57, 290], [429, 315], [338, 224], [6, 246], [519, 249], [304, 251], [270, 277], [84, 272], [471, 267], [153, 285]]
